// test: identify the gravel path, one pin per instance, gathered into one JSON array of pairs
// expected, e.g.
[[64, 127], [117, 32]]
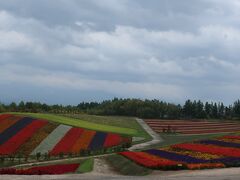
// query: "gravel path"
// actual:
[[59, 160], [101, 167], [155, 137]]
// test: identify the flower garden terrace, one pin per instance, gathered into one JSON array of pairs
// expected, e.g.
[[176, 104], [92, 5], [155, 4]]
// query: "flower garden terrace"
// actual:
[[192, 126], [27, 137], [203, 154]]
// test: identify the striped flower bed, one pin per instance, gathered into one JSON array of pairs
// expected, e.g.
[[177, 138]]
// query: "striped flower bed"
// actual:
[[220, 143], [36, 139], [232, 137], [198, 155], [49, 143], [229, 140], [195, 154], [193, 127], [65, 144], [176, 157], [150, 161], [162, 162], [8, 122], [27, 136], [11, 146], [228, 161], [83, 142], [212, 149], [14, 129]]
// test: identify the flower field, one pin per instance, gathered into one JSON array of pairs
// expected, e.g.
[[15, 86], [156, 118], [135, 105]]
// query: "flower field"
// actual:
[[11, 146], [192, 127], [27, 136], [216, 153]]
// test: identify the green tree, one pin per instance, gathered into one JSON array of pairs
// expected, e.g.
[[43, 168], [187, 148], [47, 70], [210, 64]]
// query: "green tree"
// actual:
[[2, 108], [21, 106], [236, 108], [13, 107]]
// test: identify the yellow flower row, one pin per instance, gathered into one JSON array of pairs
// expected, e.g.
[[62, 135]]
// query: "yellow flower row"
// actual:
[[230, 140], [194, 154]]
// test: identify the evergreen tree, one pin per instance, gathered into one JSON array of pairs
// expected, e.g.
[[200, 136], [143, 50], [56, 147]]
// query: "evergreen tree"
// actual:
[[236, 108]]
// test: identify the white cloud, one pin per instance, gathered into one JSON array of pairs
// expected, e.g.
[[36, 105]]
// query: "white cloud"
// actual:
[[11, 40]]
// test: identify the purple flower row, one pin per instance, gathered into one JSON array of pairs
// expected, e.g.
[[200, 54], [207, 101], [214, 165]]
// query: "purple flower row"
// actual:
[[220, 143], [228, 161], [97, 141], [176, 157], [14, 129]]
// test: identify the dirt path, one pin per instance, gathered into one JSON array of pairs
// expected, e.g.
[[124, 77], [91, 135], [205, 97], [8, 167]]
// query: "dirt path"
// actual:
[[101, 167], [155, 137], [60, 160]]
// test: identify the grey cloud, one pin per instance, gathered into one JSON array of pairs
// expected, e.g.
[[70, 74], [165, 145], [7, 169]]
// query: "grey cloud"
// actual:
[[156, 49]]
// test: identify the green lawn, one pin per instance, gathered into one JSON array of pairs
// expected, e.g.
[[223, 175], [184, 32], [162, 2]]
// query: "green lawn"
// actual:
[[119, 121], [86, 166], [126, 167], [82, 123], [8, 164]]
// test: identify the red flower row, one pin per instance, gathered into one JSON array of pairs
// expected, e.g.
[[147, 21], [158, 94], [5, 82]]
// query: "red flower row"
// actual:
[[211, 149], [51, 169], [4, 116], [231, 137], [112, 140], [205, 166], [148, 160]]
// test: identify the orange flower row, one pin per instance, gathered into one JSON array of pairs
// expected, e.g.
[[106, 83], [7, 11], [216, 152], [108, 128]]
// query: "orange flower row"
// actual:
[[205, 166], [83, 142]]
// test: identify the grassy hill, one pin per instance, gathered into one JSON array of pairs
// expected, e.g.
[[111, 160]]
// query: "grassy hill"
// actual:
[[28, 136]]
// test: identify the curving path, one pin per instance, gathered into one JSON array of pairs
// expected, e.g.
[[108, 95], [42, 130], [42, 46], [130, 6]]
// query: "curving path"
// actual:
[[155, 137], [58, 161]]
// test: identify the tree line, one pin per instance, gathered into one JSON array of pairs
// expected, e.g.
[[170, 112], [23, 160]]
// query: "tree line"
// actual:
[[135, 107]]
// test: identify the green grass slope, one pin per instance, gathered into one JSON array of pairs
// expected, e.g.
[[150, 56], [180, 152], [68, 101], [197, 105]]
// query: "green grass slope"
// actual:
[[81, 123], [86, 166], [126, 167], [119, 121]]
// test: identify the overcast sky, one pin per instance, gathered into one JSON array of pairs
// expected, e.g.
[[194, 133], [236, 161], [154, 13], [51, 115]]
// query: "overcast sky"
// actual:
[[67, 51]]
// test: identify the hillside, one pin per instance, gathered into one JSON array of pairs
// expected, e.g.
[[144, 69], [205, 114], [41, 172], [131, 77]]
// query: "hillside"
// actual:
[[27, 136]]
